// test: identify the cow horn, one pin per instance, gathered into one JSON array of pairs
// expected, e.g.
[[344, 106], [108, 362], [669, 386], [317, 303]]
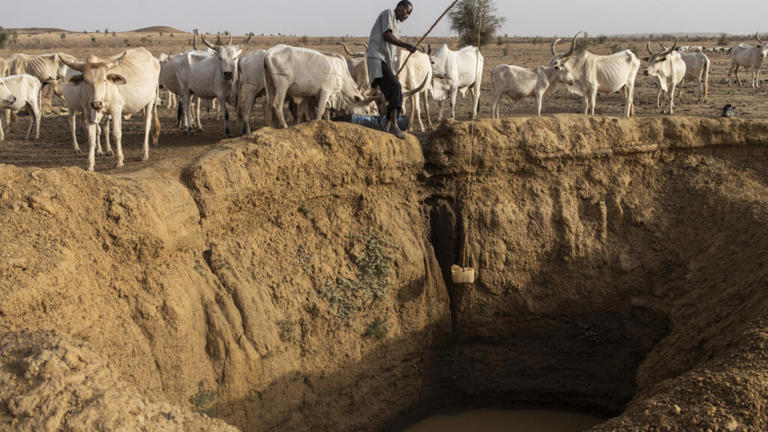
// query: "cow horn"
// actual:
[[429, 45], [202, 38], [669, 51], [346, 49], [194, 39], [78, 66], [416, 90], [648, 47], [229, 42], [663, 48], [114, 60], [552, 48], [757, 37], [573, 46], [250, 35]]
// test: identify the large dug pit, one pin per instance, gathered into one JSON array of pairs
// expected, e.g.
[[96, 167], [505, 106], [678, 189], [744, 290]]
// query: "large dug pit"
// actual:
[[300, 279]]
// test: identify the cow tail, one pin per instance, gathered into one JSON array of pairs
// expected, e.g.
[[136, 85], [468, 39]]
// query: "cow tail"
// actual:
[[155, 119], [269, 90], [706, 77]]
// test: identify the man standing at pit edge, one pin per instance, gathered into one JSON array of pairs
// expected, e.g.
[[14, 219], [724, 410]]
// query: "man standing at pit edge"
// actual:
[[382, 47]]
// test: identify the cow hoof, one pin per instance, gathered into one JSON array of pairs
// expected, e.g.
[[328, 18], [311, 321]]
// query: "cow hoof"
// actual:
[[78, 152], [145, 157], [119, 165]]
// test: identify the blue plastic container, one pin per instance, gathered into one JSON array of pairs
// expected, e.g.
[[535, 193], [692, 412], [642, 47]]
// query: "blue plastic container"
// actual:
[[373, 122]]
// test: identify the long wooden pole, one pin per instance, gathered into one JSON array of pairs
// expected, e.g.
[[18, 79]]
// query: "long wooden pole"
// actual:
[[427, 34]]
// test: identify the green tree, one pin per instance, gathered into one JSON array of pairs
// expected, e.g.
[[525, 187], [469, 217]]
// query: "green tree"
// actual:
[[5, 36], [466, 18]]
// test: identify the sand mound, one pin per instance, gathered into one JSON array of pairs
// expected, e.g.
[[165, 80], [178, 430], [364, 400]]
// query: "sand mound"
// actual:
[[51, 382], [284, 280], [158, 29]]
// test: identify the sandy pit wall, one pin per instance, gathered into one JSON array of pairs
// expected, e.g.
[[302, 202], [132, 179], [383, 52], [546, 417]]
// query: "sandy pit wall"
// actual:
[[296, 279]]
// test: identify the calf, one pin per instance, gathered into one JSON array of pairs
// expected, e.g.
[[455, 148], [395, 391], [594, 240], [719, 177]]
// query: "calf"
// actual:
[[517, 83]]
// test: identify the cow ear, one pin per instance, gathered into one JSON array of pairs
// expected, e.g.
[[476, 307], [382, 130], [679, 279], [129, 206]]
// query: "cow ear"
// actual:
[[116, 79], [75, 80]]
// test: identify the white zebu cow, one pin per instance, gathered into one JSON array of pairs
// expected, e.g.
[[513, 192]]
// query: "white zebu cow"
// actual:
[[418, 69], [743, 55], [169, 81], [20, 91], [517, 83], [123, 84], [454, 71], [251, 85], [302, 73], [697, 66], [358, 68], [163, 58], [593, 74], [669, 69], [210, 76], [71, 94]]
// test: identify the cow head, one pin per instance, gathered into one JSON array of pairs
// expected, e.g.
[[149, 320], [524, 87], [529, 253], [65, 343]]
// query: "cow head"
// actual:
[[763, 46], [658, 63], [439, 61], [96, 77], [6, 97], [563, 75], [227, 55], [558, 59]]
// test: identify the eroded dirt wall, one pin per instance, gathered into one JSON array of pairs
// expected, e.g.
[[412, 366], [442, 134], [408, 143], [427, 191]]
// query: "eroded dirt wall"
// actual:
[[295, 280]]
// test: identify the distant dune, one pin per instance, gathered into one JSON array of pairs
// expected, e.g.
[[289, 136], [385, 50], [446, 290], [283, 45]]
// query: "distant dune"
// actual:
[[157, 29]]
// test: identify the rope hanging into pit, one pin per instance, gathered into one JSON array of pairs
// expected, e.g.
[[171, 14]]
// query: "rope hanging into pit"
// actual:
[[472, 138]]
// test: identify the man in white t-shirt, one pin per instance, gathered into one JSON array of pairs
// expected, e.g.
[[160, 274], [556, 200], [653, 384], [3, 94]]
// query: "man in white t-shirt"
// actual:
[[380, 57]]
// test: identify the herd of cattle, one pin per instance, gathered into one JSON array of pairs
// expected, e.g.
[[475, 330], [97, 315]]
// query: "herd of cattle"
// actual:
[[316, 84]]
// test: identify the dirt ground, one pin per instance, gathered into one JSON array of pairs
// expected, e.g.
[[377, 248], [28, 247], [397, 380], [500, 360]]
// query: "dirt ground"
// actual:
[[53, 147]]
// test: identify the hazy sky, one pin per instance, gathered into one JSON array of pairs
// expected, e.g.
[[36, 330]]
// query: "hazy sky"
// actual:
[[337, 17]]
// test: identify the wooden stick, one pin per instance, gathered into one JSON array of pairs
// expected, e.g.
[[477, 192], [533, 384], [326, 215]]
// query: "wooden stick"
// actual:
[[427, 34]]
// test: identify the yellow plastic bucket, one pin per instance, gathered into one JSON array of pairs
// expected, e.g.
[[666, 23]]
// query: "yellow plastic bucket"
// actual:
[[462, 275]]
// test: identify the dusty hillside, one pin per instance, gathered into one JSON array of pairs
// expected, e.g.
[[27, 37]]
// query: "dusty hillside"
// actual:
[[294, 279]]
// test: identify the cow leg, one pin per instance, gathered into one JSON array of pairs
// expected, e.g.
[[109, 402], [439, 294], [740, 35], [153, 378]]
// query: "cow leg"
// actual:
[[92, 132], [454, 94], [147, 128], [186, 108], [755, 77], [277, 106], [246, 105], [322, 100], [738, 79], [426, 111], [539, 101], [35, 115], [2, 134], [440, 110], [476, 102], [495, 100], [416, 110], [593, 100], [117, 135], [630, 95], [107, 133], [225, 113], [199, 125], [73, 130], [672, 98]]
